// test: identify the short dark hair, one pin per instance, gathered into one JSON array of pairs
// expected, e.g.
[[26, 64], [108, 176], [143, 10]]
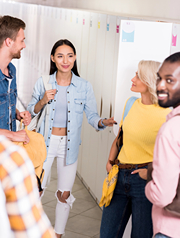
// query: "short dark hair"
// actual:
[[53, 67], [9, 27], [173, 58]]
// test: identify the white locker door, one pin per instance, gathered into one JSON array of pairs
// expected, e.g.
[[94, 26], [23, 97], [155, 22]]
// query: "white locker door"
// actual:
[[88, 135], [76, 34], [99, 29], [108, 88], [83, 162]]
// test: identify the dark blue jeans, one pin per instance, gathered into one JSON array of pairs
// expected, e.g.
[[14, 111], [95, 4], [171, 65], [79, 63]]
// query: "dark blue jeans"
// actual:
[[129, 198]]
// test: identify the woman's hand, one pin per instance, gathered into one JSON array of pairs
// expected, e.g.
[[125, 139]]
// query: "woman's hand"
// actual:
[[107, 122], [142, 173], [49, 95]]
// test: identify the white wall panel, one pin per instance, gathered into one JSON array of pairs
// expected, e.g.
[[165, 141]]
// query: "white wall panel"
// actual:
[[175, 42], [85, 20], [148, 41], [89, 153]]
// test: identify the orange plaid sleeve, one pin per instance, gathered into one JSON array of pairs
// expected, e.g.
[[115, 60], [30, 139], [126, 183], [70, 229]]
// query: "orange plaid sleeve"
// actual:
[[24, 209]]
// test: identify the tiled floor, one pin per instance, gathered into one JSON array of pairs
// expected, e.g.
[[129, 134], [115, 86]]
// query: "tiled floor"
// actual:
[[85, 216]]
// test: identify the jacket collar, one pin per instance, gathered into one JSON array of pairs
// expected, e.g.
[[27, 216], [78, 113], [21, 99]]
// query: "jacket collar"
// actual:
[[173, 113], [74, 79], [12, 71]]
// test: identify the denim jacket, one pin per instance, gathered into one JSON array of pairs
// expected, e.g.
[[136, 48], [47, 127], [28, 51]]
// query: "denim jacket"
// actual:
[[80, 97], [8, 100]]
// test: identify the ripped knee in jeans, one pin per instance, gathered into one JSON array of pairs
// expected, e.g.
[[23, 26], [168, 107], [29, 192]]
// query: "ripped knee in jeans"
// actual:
[[65, 197]]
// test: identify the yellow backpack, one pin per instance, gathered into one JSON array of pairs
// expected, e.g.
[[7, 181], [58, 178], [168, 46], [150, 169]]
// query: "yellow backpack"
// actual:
[[36, 149]]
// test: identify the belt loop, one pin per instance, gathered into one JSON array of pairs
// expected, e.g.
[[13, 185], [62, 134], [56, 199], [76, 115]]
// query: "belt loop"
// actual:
[[131, 167]]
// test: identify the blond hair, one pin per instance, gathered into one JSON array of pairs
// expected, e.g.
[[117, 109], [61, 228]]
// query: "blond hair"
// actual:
[[147, 72]]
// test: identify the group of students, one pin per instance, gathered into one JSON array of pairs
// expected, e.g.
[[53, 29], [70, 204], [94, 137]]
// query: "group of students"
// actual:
[[68, 97]]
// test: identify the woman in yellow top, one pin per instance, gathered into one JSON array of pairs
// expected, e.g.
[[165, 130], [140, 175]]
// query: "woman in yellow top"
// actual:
[[140, 128]]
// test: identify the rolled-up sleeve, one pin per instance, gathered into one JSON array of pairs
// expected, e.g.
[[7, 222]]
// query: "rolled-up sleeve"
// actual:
[[166, 166], [38, 93], [91, 108]]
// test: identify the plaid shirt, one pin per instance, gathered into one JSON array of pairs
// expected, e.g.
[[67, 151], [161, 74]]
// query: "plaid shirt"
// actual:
[[23, 206]]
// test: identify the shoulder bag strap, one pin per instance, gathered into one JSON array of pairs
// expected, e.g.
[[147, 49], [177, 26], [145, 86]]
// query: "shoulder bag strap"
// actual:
[[46, 110], [129, 104]]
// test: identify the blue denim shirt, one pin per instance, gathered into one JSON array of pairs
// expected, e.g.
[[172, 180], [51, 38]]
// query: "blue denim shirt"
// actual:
[[80, 97], [8, 100]]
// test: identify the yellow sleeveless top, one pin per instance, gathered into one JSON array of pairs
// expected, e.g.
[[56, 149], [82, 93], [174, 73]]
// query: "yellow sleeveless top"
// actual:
[[140, 128]]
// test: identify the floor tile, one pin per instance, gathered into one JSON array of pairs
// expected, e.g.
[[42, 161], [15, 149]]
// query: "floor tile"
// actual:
[[77, 180], [51, 203], [72, 214], [50, 213], [69, 234], [52, 186], [48, 197], [81, 205], [97, 236], [83, 194], [94, 212], [78, 224], [77, 187], [54, 172], [55, 163]]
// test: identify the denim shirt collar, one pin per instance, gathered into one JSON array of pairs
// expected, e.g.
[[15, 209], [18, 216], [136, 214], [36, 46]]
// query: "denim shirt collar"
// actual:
[[11, 70], [74, 80]]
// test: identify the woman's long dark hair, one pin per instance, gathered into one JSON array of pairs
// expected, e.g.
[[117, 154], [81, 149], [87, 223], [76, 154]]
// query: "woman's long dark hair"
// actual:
[[53, 67]]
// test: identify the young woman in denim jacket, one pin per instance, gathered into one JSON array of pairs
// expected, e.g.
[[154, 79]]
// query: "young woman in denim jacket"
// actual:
[[69, 97], [140, 128]]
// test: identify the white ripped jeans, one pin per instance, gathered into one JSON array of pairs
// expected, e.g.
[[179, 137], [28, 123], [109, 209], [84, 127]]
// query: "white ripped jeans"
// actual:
[[66, 176]]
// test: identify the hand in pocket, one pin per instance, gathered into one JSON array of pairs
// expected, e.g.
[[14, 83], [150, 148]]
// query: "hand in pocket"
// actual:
[[142, 173]]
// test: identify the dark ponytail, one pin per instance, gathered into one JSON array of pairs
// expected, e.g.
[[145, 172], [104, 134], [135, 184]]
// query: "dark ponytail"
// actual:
[[53, 67]]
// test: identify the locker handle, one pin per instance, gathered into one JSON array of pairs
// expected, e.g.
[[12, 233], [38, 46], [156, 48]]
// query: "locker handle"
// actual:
[[110, 112]]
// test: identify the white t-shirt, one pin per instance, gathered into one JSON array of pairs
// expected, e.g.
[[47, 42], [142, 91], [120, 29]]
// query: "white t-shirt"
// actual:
[[9, 79]]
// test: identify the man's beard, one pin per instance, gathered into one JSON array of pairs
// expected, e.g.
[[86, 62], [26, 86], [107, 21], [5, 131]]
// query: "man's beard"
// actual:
[[174, 102], [17, 55]]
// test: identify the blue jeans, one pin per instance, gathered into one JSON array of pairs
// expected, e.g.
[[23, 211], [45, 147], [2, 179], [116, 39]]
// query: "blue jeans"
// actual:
[[129, 198], [159, 235]]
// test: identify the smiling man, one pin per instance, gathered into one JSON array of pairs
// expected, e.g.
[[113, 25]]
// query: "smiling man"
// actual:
[[162, 189], [11, 44]]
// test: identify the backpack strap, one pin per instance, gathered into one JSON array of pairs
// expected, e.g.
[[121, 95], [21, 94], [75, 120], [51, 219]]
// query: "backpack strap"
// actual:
[[47, 85], [129, 104], [46, 111]]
